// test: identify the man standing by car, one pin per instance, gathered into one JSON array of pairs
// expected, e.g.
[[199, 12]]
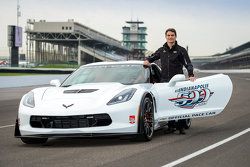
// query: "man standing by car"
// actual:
[[173, 57]]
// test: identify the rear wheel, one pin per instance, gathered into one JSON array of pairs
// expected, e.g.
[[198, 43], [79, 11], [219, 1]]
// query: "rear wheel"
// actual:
[[147, 119], [28, 140]]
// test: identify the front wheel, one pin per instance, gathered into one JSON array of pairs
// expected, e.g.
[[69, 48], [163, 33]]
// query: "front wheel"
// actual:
[[29, 140], [147, 119]]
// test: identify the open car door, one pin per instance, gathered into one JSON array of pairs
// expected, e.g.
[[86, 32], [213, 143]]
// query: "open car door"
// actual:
[[181, 99]]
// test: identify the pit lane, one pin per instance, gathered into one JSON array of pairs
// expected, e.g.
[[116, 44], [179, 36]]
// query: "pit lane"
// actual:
[[162, 150]]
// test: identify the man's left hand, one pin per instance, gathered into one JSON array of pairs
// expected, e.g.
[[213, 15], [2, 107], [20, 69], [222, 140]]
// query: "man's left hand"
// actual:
[[192, 79]]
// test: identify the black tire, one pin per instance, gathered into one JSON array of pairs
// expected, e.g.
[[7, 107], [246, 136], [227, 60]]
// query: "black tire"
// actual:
[[187, 123], [28, 140], [147, 120]]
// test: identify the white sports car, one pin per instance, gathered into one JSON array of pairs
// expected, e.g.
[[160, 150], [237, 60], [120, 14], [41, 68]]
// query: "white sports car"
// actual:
[[117, 98]]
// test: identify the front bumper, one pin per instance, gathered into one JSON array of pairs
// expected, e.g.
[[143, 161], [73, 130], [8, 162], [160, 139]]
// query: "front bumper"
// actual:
[[69, 135], [119, 115]]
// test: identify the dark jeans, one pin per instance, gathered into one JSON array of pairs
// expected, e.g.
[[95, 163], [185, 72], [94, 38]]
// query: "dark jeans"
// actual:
[[180, 124]]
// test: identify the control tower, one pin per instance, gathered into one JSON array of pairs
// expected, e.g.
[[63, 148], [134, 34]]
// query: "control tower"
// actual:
[[134, 38]]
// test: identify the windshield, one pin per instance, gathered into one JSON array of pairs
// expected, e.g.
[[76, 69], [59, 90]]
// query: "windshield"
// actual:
[[124, 74]]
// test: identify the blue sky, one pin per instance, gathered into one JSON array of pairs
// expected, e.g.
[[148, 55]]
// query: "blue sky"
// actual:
[[207, 27]]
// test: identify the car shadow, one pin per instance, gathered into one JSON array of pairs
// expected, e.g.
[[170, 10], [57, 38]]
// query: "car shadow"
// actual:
[[94, 141]]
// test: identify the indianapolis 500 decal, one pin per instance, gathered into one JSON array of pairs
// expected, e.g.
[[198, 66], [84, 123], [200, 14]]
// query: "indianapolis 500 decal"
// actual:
[[187, 98]]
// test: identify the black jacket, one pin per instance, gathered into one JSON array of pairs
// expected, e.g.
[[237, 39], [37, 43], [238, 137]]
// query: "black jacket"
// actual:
[[172, 61]]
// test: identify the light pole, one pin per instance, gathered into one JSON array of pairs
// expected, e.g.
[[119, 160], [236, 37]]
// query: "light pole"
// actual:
[[18, 13], [105, 49], [94, 49]]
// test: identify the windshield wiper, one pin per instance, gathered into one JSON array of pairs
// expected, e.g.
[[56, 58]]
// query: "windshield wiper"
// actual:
[[66, 86]]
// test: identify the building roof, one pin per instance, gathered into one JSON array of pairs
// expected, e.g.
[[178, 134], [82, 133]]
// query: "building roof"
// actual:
[[131, 22]]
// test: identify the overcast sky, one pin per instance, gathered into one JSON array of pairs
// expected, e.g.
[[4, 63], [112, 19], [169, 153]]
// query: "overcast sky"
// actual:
[[206, 26]]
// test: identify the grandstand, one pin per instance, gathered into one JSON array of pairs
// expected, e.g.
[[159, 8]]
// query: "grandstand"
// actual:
[[236, 58], [60, 42]]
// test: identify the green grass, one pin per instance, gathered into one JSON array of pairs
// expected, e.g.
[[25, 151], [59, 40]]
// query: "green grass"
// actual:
[[62, 66], [58, 66], [19, 74]]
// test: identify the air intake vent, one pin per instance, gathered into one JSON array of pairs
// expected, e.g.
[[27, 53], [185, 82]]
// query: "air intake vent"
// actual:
[[74, 121], [80, 91]]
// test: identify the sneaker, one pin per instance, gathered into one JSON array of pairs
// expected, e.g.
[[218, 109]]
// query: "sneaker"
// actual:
[[182, 132], [169, 130]]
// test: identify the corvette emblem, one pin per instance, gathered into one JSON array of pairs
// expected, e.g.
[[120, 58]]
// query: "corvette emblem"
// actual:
[[67, 106]]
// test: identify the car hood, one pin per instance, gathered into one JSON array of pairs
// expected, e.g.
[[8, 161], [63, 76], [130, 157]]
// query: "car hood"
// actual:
[[88, 91]]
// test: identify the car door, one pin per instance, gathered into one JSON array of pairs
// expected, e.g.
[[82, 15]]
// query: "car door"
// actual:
[[181, 99]]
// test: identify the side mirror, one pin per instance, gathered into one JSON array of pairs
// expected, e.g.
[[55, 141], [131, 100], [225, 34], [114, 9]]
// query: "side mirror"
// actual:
[[55, 82], [176, 78]]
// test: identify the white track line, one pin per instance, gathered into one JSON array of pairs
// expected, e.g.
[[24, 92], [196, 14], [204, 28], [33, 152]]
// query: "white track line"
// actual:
[[6, 126], [178, 161]]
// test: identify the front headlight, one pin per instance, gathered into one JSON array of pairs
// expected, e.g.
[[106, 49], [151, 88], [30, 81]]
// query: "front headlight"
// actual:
[[29, 100], [124, 96]]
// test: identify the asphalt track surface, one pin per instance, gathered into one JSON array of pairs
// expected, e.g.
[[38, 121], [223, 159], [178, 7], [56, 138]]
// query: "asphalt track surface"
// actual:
[[162, 150]]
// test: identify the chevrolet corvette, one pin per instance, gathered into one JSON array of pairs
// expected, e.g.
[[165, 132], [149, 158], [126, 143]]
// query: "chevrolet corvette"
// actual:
[[117, 98]]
